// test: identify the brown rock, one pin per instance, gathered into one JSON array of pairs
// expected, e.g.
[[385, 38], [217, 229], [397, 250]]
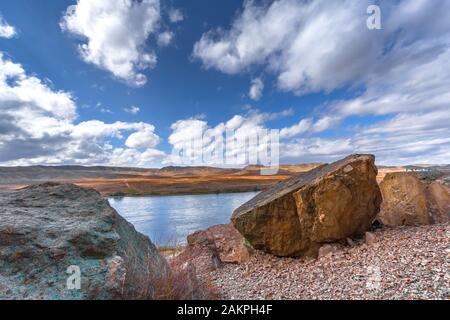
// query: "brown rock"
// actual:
[[370, 238], [438, 202], [327, 204], [207, 250], [203, 256], [407, 200], [228, 242], [326, 250]]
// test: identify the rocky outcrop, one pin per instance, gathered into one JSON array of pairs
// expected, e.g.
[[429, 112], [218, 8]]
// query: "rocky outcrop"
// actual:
[[325, 205], [49, 232], [408, 200]]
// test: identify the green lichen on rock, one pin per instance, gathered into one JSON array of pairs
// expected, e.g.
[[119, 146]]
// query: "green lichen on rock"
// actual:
[[47, 228]]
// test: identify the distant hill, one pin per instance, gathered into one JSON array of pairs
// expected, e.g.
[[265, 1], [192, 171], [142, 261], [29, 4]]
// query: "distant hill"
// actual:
[[168, 180], [25, 175], [34, 174]]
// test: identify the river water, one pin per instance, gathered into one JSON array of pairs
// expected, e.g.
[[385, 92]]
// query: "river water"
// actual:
[[167, 220]]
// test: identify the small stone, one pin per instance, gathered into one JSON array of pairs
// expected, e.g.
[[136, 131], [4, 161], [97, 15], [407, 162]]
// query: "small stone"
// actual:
[[326, 250], [370, 238]]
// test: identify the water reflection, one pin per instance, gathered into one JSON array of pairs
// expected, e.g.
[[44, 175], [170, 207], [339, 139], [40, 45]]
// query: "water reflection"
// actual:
[[168, 220]]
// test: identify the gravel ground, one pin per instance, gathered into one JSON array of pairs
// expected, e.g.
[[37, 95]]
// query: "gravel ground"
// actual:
[[403, 263]]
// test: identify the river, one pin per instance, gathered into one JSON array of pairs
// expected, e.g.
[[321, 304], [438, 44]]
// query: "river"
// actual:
[[167, 220]]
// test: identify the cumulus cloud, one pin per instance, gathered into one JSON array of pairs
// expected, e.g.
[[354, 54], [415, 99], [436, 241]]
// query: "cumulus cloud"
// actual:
[[176, 15], [301, 127], [200, 141], [114, 35], [256, 89], [399, 72], [123, 157], [38, 125], [165, 38], [6, 31], [316, 45], [310, 45], [145, 138], [132, 110]]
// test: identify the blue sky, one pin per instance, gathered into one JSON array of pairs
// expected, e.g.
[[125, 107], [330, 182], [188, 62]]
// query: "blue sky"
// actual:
[[123, 82]]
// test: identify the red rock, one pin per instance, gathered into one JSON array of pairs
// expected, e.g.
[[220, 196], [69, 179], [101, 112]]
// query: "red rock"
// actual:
[[226, 240]]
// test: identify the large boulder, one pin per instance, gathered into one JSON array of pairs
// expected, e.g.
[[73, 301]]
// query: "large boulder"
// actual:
[[327, 204], [408, 200], [50, 232]]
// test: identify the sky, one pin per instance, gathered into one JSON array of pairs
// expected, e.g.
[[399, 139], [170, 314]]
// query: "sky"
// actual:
[[124, 82]]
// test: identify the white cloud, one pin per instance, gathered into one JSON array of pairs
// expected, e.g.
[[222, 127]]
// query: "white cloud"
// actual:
[[399, 73], [145, 138], [198, 138], [310, 45], [6, 31], [176, 15], [316, 149], [31, 93], [317, 45], [165, 38], [123, 157], [301, 127], [38, 126], [325, 123], [114, 35], [256, 89], [132, 110]]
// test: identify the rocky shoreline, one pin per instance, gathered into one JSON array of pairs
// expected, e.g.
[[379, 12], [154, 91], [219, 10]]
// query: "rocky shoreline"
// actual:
[[319, 235], [332, 234]]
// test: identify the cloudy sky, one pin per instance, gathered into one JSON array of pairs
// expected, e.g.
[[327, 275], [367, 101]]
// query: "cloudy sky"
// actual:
[[123, 82]]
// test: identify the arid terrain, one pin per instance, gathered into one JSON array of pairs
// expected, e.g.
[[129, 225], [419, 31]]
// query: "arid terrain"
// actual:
[[116, 181], [334, 232], [166, 181]]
